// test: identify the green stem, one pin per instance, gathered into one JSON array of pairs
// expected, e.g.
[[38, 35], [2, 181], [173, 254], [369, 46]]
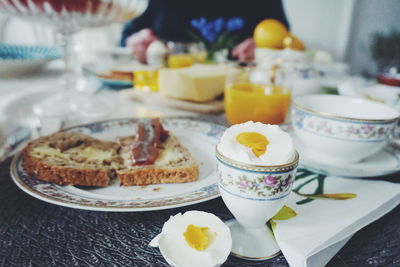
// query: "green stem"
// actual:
[[337, 196], [195, 36], [318, 191], [303, 184], [304, 201], [321, 182], [303, 174]]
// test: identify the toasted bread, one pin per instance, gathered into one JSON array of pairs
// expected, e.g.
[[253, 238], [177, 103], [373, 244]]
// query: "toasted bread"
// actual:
[[116, 76], [72, 159], [77, 159], [175, 164]]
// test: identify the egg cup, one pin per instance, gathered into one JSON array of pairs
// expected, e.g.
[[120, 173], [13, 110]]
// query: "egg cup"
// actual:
[[254, 194]]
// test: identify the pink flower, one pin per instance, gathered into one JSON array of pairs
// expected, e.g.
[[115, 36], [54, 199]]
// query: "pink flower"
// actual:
[[328, 130], [270, 180], [139, 42], [367, 128], [350, 130], [245, 50], [243, 184]]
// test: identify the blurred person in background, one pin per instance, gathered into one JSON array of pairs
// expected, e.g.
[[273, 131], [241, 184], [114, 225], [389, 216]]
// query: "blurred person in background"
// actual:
[[170, 20]]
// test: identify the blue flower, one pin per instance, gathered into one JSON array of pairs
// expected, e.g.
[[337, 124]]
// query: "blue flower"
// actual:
[[218, 24], [209, 33], [234, 24], [211, 30], [198, 23]]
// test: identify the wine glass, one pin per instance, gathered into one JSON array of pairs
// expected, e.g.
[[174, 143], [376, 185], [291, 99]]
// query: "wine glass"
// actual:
[[254, 194], [67, 18]]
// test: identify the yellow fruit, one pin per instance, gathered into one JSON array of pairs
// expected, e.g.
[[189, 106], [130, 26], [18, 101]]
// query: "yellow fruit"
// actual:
[[291, 41], [270, 33], [297, 44]]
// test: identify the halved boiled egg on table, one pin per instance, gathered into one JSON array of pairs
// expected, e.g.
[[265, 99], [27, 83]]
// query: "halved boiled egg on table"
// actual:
[[195, 238]]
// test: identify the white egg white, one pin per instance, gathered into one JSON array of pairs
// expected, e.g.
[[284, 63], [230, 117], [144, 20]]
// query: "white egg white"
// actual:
[[156, 48], [177, 251], [280, 149]]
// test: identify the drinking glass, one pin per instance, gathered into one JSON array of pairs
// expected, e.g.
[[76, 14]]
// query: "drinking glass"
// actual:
[[185, 54], [254, 194], [257, 93], [146, 79], [68, 17], [179, 55]]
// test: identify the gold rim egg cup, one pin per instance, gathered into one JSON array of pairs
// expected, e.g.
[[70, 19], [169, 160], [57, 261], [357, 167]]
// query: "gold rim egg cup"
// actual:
[[254, 194]]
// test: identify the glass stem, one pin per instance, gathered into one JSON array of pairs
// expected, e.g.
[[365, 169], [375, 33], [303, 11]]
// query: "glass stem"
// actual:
[[72, 68]]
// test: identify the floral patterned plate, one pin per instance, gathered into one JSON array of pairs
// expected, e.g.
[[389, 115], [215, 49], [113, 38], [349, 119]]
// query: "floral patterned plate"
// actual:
[[384, 162], [199, 137]]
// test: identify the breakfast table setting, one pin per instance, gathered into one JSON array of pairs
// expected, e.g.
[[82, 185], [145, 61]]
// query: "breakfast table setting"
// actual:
[[329, 232], [191, 159]]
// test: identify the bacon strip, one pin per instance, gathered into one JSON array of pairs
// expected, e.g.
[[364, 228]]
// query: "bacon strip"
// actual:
[[146, 145]]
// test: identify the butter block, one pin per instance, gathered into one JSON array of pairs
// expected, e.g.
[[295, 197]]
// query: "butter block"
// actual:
[[197, 83]]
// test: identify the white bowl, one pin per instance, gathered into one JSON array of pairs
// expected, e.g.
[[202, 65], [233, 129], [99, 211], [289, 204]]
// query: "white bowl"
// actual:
[[342, 129]]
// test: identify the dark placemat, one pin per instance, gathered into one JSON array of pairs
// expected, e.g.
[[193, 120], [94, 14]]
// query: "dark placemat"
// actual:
[[35, 233]]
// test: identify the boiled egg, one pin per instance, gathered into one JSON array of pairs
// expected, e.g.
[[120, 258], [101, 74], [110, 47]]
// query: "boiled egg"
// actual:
[[257, 143], [195, 239], [156, 53]]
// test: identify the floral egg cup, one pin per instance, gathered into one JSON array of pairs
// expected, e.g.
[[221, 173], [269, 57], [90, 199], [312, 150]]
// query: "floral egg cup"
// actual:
[[254, 194]]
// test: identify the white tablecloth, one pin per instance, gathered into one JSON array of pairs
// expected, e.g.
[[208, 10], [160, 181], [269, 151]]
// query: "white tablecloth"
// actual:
[[17, 95]]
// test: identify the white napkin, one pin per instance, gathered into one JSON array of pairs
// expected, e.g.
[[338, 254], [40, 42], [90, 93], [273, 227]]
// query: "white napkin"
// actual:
[[321, 227]]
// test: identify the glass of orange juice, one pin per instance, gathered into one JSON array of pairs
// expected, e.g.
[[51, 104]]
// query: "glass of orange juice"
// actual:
[[256, 93], [146, 79], [179, 55], [180, 60]]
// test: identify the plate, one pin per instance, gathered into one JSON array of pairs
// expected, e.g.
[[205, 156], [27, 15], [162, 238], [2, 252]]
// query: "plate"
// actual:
[[199, 137], [23, 60], [115, 84], [384, 162], [95, 70], [358, 87], [155, 98]]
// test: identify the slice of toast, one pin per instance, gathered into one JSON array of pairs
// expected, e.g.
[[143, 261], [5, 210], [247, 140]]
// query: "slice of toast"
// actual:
[[77, 159], [174, 164], [72, 159]]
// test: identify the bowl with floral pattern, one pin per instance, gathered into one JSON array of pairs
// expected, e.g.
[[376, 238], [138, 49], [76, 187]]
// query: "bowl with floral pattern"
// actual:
[[254, 194], [342, 129]]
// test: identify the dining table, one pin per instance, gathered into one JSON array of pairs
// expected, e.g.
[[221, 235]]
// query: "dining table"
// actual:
[[37, 233]]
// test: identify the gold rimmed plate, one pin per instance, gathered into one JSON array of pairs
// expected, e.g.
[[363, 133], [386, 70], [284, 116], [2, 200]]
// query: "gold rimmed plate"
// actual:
[[199, 137]]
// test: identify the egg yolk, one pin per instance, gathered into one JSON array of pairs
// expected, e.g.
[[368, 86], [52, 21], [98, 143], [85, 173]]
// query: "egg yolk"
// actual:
[[197, 237], [256, 141]]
